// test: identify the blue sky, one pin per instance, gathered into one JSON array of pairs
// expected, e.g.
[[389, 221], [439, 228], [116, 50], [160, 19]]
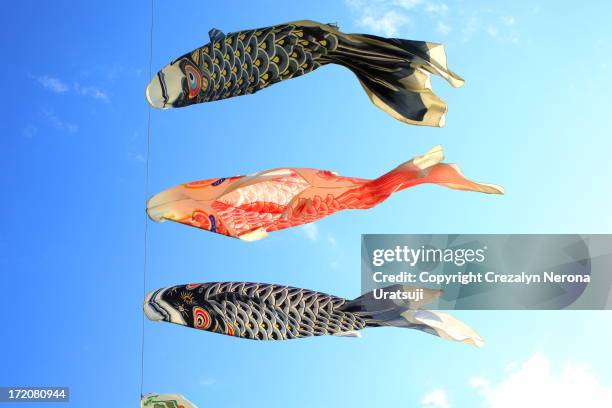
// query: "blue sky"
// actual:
[[532, 117]]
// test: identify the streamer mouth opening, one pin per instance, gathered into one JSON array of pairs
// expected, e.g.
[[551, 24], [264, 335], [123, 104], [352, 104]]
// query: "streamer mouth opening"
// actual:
[[154, 94], [165, 206], [150, 311], [165, 89]]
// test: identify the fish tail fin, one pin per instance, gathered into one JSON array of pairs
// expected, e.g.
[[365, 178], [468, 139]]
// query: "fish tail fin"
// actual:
[[397, 312], [395, 73], [429, 168]]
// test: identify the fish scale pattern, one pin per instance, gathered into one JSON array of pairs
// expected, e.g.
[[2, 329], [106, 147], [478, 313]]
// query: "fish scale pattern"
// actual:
[[258, 205], [262, 311], [246, 61], [279, 190]]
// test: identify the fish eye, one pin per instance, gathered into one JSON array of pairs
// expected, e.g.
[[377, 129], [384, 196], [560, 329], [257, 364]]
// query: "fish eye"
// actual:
[[194, 80], [201, 318]]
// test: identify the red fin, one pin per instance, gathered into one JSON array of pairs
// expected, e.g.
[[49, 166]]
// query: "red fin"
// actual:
[[422, 169]]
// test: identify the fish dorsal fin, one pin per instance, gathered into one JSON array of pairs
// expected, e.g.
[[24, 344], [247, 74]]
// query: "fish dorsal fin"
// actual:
[[216, 35], [310, 176], [257, 178]]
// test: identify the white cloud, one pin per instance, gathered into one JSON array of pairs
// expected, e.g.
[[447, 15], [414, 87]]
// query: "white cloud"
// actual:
[[443, 28], [496, 26], [207, 382], [535, 384], [58, 86], [435, 399], [436, 8], [407, 4], [477, 382], [513, 38], [472, 24], [332, 241], [53, 84], [311, 231], [388, 23], [388, 17], [58, 123], [113, 71], [29, 131], [391, 17], [139, 157], [92, 92]]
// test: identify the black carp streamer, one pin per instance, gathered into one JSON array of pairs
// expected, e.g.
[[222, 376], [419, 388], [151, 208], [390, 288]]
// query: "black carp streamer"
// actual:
[[395, 73], [272, 312]]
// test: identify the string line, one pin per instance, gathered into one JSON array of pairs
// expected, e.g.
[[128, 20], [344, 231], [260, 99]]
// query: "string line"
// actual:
[[146, 221]]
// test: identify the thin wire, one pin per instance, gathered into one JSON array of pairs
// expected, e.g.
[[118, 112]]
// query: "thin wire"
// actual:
[[146, 221]]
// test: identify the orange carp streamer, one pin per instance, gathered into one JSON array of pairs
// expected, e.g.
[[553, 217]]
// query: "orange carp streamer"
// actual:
[[248, 207]]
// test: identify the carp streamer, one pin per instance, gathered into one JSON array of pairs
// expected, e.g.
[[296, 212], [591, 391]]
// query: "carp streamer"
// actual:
[[165, 401], [259, 311], [248, 207], [395, 73]]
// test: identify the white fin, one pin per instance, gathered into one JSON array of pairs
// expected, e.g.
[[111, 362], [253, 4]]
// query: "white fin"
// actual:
[[256, 178], [486, 187], [438, 55], [447, 327], [255, 235], [434, 156], [492, 188], [350, 333]]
